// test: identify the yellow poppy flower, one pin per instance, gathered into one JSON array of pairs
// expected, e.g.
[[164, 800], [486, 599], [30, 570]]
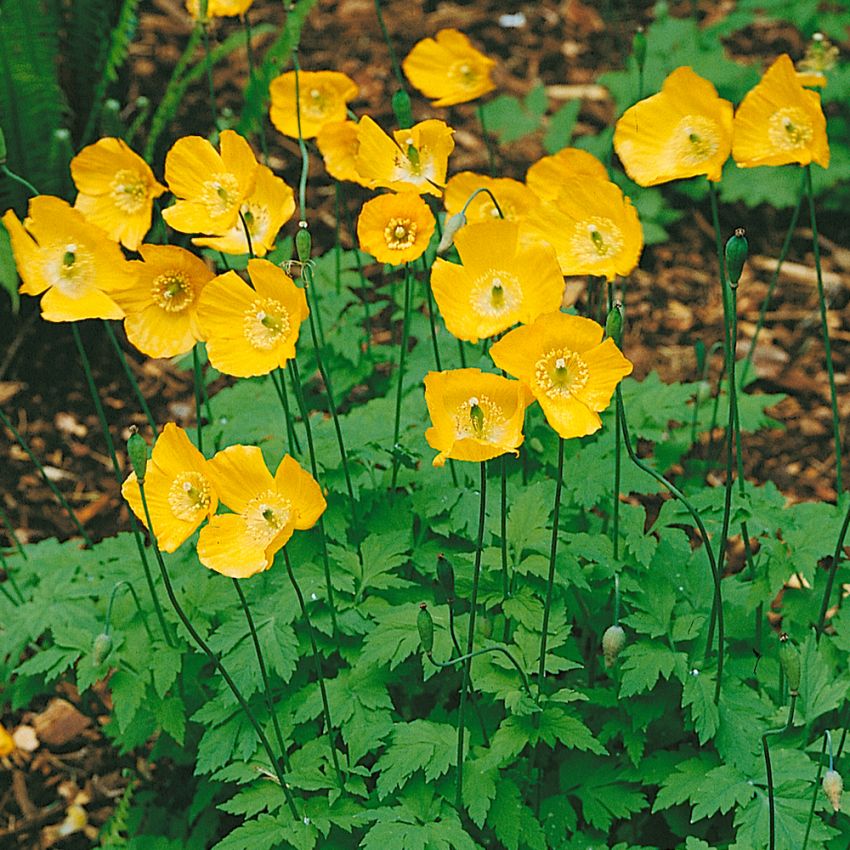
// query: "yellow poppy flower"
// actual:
[[514, 198], [500, 283], [338, 145], [210, 187], [683, 131], [70, 260], [779, 122], [178, 489], [265, 210], [413, 160], [592, 226], [7, 742], [251, 331], [449, 69], [477, 415], [266, 511], [568, 368], [545, 177], [116, 190], [323, 98], [161, 305], [219, 8], [395, 229]]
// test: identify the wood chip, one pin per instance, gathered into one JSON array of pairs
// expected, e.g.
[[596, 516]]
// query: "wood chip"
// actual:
[[60, 723]]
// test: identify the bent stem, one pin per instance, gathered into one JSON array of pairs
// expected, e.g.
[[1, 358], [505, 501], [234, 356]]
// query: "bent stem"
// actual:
[[110, 446], [222, 670], [771, 802], [550, 582], [470, 636], [472, 697], [134, 384], [263, 673], [824, 321], [836, 560], [329, 728], [405, 333], [452, 661], [678, 494], [115, 589]]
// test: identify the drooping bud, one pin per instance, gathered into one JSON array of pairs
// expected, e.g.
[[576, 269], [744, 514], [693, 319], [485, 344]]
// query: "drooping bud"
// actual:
[[452, 224], [737, 249], [426, 628], [446, 576], [833, 785], [402, 109], [614, 323], [639, 48], [137, 449], [789, 661], [101, 648], [111, 123], [613, 641], [303, 242]]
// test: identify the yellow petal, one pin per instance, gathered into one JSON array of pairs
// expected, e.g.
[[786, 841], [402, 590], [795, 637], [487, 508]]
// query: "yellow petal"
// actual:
[[303, 491], [226, 546], [238, 474]]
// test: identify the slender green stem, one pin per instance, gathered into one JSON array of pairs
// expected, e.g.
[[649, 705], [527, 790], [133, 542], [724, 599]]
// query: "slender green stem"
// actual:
[[247, 230], [9, 596], [305, 156], [503, 530], [451, 662], [837, 556], [198, 379], [491, 153], [252, 69], [830, 371], [134, 384], [263, 673], [7, 172], [706, 542], [815, 789], [470, 636], [7, 524], [405, 333], [393, 56], [314, 468], [326, 709], [473, 700], [107, 436], [615, 512], [279, 382], [364, 281], [139, 608], [783, 253], [216, 661], [771, 802], [204, 20], [550, 581], [41, 471]]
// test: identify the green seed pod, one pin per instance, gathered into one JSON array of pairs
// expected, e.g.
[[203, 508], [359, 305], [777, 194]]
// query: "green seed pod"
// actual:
[[614, 323], [450, 228], [2, 148], [101, 648], [789, 660], [613, 641], [303, 242], [446, 576], [639, 47], [137, 449], [833, 785], [403, 109], [737, 249], [426, 628]]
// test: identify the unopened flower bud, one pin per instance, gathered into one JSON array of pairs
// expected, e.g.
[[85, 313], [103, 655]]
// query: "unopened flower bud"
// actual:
[[111, 123], [402, 109], [789, 660], [639, 47], [450, 228], [426, 628], [614, 323], [833, 785], [613, 641], [101, 648], [446, 576], [303, 242], [137, 449], [737, 249]]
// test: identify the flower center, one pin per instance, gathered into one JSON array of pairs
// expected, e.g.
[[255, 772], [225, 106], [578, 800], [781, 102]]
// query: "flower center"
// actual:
[[479, 418], [188, 495], [267, 515], [561, 373], [317, 102], [790, 128], [400, 233], [266, 323], [70, 269], [694, 140], [596, 239], [129, 191], [220, 194], [172, 291], [465, 73], [495, 293], [257, 218]]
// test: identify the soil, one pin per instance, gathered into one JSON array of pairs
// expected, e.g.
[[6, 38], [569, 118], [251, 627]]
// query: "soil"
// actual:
[[673, 300]]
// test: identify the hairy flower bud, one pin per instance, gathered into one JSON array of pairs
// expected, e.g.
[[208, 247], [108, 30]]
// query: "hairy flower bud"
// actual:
[[426, 628], [614, 323], [737, 249], [137, 449], [402, 109], [833, 785], [101, 648], [789, 660], [303, 242], [613, 641], [639, 47], [446, 576], [450, 228]]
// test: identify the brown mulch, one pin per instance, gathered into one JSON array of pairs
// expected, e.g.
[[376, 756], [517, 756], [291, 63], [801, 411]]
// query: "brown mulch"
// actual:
[[673, 300]]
